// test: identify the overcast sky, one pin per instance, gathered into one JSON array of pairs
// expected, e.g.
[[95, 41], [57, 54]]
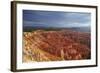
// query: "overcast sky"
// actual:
[[36, 18]]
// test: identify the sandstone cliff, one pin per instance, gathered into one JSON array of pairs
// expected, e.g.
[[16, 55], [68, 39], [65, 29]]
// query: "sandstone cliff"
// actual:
[[56, 45]]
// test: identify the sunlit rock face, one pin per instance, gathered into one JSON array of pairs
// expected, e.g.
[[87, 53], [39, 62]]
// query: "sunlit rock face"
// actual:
[[41, 45]]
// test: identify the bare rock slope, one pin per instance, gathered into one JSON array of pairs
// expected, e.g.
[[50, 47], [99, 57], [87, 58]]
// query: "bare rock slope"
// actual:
[[55, 45]]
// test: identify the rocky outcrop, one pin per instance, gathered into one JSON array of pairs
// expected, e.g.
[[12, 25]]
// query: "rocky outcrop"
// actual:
[[56, 45]]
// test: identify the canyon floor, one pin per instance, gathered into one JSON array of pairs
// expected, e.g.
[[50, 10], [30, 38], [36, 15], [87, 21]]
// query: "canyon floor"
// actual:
[[41, 45]]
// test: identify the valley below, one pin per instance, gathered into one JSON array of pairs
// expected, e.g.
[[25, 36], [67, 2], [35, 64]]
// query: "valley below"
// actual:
[[56, 45]]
